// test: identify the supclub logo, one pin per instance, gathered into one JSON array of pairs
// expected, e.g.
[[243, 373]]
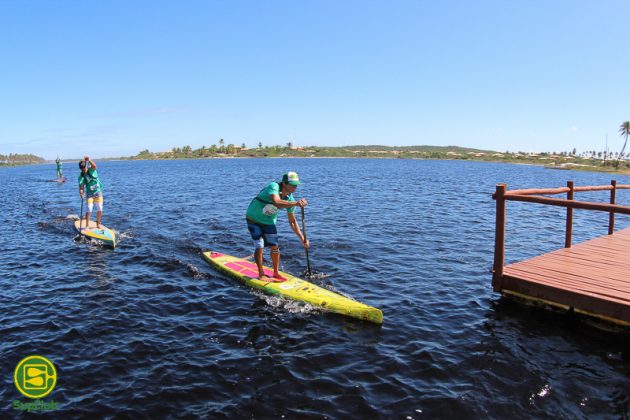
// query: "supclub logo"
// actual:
[[35, 376]]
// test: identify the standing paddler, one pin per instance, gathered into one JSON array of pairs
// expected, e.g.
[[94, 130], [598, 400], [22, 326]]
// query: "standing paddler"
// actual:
[[90, 183], [262, 214], [59, 170]]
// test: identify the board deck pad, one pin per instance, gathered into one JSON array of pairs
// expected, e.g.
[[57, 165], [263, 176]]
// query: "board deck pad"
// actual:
[[105, 234], [293, 288], [248, 269]]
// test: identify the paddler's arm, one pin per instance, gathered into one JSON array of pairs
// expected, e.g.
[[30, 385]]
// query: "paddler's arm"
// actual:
[[285, 204], [91, 162], [296, 228]]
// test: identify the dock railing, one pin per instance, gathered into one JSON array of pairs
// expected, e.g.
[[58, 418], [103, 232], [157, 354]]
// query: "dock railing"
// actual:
[[537, 196]]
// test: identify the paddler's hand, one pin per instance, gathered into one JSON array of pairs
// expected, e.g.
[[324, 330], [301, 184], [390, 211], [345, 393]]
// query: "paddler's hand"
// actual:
[[307, 244], [302, 202]]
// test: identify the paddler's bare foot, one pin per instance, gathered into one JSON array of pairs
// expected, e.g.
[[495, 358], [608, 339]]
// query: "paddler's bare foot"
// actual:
[[278, 277], [273, 279]]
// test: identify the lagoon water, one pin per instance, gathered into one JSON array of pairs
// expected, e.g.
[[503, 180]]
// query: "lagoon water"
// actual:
[[150, 330]]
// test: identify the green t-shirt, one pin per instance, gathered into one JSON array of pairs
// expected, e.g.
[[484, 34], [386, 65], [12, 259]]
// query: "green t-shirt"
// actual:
[[261, 209], [93, 184]]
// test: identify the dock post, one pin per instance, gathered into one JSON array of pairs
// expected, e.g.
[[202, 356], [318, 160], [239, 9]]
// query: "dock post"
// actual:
[[611, 215], [569, 229], [499, 238]]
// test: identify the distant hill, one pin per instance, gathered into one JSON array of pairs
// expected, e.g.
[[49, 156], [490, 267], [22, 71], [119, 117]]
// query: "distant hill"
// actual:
[[423, 148], [564, 160], [14, 159], [230, 150]]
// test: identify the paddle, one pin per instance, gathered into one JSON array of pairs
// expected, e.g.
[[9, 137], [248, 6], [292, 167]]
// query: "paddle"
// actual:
[[308, 261], [81, 219]]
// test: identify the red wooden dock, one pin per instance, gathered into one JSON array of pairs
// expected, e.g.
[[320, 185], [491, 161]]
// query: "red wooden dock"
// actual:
[[591, 278]]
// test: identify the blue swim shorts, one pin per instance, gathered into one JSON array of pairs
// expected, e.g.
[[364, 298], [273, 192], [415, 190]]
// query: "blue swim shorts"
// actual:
[[263, 235]]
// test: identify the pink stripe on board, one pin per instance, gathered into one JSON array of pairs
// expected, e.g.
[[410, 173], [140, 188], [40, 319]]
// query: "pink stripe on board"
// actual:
[[250, 273], [247, 268]]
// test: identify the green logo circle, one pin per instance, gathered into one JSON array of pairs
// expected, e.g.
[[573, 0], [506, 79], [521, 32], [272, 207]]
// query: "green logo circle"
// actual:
[[35, 377]]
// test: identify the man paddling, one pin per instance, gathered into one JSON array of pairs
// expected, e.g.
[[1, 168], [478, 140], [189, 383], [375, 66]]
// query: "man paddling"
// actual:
[[90, 183], [59, 170], [262, 214]]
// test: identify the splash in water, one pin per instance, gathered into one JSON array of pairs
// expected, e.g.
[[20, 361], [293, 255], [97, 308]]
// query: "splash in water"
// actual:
[[288, 305], [314, 275]]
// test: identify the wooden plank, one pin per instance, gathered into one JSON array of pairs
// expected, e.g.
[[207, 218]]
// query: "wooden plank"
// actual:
[[614, 292], [580, 271], [584, 265], [569, 284], [604, 307], [577, 271], [593, 276]]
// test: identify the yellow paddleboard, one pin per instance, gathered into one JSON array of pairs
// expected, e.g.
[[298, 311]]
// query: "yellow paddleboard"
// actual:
[[104, 234], [293, 288]]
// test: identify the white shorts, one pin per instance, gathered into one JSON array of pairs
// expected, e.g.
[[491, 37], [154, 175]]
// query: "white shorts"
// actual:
[[95, 200]]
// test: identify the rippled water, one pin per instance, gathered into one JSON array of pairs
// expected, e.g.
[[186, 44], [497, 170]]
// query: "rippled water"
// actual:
[[150, 330]]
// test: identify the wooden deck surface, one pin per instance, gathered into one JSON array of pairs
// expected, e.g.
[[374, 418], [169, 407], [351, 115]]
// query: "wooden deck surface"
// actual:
[[592, 277]]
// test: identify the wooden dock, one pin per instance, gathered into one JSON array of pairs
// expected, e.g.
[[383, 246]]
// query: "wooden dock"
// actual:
[[591, 278]]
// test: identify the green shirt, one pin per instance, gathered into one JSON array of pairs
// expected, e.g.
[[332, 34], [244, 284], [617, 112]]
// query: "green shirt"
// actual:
[[261, 209], [93, 184]]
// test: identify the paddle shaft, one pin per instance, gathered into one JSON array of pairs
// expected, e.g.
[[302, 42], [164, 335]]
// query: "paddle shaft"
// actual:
[[308, 261], [81, 217]]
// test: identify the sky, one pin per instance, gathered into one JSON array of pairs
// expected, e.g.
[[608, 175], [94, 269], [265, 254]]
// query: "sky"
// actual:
[[112, 78]]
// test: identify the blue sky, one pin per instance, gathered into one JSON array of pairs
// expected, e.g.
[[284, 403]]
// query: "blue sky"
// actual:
[[112, 78]]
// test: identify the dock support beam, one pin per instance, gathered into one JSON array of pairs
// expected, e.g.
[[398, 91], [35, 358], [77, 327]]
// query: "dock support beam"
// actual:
[[611, 215], [499, 238], [569, 231]]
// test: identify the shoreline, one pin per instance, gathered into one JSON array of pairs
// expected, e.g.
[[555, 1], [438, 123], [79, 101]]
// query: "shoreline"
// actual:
[[569, 167]]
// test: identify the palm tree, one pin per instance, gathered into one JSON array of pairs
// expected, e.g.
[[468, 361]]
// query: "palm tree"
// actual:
[[624, 130]]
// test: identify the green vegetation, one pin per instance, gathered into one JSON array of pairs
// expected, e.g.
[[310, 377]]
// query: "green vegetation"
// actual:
[[589, 160], [624, 130], [230, 150], [19, 159]]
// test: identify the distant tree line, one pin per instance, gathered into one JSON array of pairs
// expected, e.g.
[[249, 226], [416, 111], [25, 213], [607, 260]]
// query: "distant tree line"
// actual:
[[232, 150], [13, 159], [220, 150], [610, 158], [590, 158]]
